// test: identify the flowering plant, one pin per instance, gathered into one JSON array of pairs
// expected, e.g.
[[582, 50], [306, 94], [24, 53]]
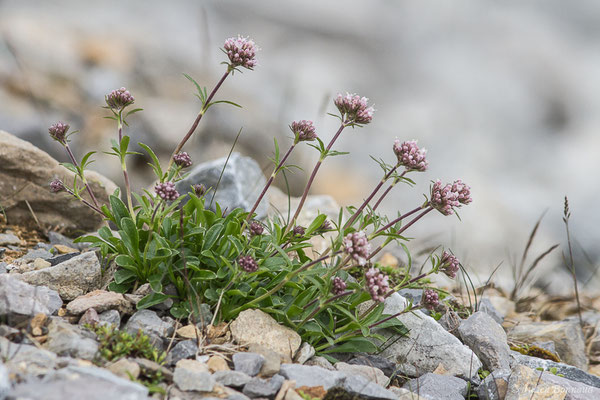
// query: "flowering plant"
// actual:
[[193, 254]]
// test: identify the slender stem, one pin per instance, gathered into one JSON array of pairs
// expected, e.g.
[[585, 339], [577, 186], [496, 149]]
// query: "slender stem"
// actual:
[[82, 176], [84, 201], [400, 218], [124, 168], [368, 200], [312, 177], [199, 117], [388, 190], [405, 227], [282, 283], [322, 307], [574, 275], [268, 184]]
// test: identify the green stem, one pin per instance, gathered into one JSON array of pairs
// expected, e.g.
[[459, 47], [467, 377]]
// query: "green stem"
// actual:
[[81, 174], [124, 168]]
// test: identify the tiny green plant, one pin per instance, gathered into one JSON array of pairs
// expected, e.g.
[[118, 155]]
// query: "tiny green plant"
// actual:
[[230, 261], [116, 344]]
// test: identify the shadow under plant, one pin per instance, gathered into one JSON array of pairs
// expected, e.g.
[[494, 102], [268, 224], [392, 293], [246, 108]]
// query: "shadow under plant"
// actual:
[[195, 253]]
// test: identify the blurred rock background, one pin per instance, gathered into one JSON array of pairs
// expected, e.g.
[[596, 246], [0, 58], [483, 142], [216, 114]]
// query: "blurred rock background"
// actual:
[[504, 95]]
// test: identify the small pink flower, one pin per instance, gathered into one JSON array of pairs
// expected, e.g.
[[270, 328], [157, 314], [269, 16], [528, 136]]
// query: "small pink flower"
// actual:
[[182, 159], [449, 264], [463, 190], [118, 99], [248, 263], [58, 132], [56, 186], [410, 156], [339, 286], [430, 299], [354, 109], [377, 284], [443, 198], [304, 130], [357, 246], [298, 230], [166, 191], [256, 228], [241, 52]]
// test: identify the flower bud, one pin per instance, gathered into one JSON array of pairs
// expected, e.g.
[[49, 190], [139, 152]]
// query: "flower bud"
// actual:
[[247, 263], [118, 99], [354, 109], [182, 159], [304, 130], [59, 131], [56, 186]]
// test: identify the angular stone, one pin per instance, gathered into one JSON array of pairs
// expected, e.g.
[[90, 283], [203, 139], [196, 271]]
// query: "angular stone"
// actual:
[[375, 361], [217, 363], [318, 361], [88, 383], [72, 278], [99, 300], [487, 339], [438, 387], [373, 374], [125, 369], [451, 321], [248, 363], [258, 387], [255, 326], [90, 317], [525, 384], [364, 388], [495, 385], [575, 390], [306, 375], [26, 359], [566, 335], [7, 239], [272, 359], [568, 371], [235, 379], [20, 300], [25, 172], [305, 352], [65, 339], [150, 324], [233, 189], [148, 366], [193, 375], [426, 346], [110, 317], [182, 350], [486, 306]]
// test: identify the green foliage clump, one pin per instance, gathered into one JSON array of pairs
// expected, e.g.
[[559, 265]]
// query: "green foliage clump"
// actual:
[[116, 344]]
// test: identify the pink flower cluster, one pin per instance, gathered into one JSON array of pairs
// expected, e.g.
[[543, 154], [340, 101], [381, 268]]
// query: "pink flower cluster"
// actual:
[[56, 186], [430, 299], [446, 198], [354, 109], [357, 246], [449, 264], [58, 131], [166, 191], [119, 99], [410, 156], [304, 130], [247, 263], [377, 284], [339, 286], [182, 159], [241, 52]]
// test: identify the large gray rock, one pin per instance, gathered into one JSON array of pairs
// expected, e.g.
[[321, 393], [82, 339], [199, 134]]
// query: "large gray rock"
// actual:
[[364, 388], [25, 174], [248, 363], [72, 278], [575, 390], [26, 360], [426, 346], [568, 371], [265, 388], [371, 373], [20, 300], [182, 350], [567, 336], [438, 387], [65, 339], [193, 375], [88, 383], [150, 324], [525, 383], [487, 339], [99, 300], [495, 385], [239, 186], [235, 379], [306, 375]]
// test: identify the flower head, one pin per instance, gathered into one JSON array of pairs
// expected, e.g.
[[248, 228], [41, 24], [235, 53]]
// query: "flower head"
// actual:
[[247, 263], [298, 230], [338, 286], [430, 299], [354, 109], [182, 159], [241, 52], [118, 99], [325, 227], [58, 132], [256, 228], [446, 198], [357, 246], [199, 189], [377, 284], [166, 191], [304, 130], [410, 156], [449, 264], [56, 186]]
